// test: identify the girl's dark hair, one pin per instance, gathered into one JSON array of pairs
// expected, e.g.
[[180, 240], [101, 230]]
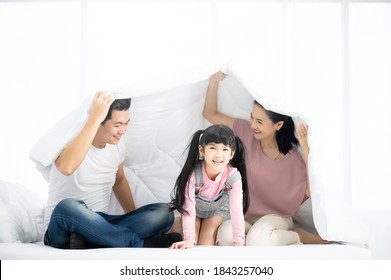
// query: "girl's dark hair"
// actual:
[[285, 136], [119, 105], [216, 134]]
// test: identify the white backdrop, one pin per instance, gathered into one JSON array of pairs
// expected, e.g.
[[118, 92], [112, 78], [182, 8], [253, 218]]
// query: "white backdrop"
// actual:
[[327, 60]]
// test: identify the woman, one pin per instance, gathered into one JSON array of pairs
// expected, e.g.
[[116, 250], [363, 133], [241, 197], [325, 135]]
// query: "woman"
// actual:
[[276, 172]]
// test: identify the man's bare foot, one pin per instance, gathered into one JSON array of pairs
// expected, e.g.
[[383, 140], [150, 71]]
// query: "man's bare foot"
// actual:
[[77, 242], [177, 226]]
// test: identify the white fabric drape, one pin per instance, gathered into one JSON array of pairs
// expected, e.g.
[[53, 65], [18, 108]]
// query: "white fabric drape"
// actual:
[[164, 118]]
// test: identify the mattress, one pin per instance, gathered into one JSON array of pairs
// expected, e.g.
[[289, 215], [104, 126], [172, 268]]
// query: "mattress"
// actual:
[[38, 251]]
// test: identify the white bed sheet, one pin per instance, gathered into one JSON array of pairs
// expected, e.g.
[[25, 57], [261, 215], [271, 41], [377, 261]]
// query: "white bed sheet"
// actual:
[[38, 251]]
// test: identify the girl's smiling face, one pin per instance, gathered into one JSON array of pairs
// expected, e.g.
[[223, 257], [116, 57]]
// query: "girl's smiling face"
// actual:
[[216, 158]]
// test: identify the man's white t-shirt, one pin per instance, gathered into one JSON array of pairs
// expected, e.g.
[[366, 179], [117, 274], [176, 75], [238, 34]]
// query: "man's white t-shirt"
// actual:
[[92, 182]]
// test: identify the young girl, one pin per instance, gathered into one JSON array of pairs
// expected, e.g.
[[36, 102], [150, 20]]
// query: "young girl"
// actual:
[[212, 187]]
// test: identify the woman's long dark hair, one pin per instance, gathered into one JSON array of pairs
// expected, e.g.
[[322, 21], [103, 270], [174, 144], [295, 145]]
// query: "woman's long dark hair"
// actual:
[[216, 134], [285, 136]]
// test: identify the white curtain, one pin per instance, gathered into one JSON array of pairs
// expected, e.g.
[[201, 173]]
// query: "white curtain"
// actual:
[[328, 61]]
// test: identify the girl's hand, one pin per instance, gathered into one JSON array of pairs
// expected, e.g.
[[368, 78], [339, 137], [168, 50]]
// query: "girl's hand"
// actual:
[[217, 77], [182, 245]]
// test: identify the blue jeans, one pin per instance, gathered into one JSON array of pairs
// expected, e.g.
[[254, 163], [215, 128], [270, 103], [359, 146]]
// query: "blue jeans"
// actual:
[[103, 230]]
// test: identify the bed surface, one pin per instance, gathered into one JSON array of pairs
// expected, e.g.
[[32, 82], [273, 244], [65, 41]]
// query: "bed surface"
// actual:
[[35, 251]]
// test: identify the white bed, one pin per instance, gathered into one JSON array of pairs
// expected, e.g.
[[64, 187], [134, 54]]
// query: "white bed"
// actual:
[[38, 251], [163, 117], [21, 239]]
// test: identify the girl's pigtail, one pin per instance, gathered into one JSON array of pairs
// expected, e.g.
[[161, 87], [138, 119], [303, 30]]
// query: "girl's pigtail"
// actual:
[[239, 161], [183, 178]]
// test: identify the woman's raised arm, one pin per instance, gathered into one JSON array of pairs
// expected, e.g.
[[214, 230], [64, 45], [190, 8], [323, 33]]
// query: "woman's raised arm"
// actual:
[[211, 112]]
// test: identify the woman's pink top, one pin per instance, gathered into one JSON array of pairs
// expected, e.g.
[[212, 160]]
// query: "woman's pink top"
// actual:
[[209, 190], [275, 186]]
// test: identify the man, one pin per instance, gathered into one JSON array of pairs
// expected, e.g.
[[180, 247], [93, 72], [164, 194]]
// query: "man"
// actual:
[[84, 175]]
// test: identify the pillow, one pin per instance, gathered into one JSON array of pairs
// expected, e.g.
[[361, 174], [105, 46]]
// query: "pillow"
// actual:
[[21, 214]]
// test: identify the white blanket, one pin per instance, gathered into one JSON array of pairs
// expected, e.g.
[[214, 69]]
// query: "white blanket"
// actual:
[[166, 112]]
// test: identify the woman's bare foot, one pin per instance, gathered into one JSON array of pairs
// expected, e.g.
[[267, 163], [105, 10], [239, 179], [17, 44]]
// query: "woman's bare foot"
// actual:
[[308, 237]]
